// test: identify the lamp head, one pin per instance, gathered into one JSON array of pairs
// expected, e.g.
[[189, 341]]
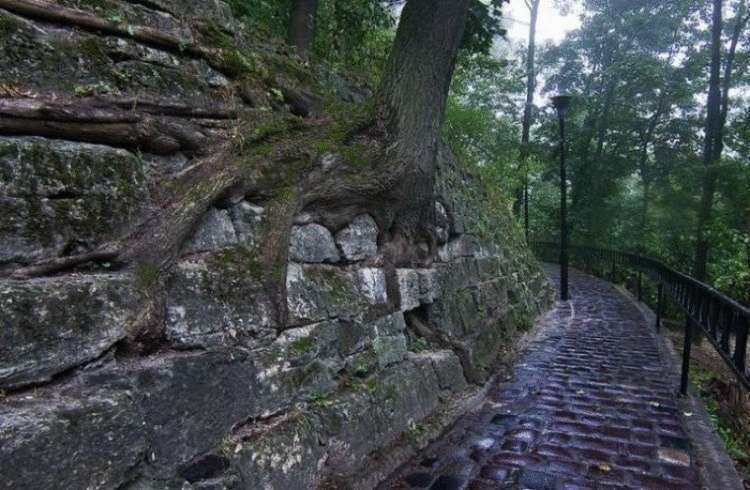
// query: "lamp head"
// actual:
[[562, 104]]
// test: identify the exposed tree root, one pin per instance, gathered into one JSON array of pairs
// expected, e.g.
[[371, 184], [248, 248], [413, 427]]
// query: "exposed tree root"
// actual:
[[423, 330], [107, 252], [97, 121]]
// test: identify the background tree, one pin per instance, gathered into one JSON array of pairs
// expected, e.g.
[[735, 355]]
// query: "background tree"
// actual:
[[302, 24], [533, 6], [717, 108]]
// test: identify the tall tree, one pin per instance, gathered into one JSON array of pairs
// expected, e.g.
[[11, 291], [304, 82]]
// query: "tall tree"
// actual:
[[412, 97], [717, 108], [302, 24], [533, 6]]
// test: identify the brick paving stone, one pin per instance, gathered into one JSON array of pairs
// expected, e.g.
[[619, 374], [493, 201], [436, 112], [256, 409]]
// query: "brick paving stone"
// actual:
[[590, 406]]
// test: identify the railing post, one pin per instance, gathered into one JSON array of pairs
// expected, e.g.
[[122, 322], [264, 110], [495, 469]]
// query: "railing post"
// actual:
[[686, 356], [740, 347], [659, 305]]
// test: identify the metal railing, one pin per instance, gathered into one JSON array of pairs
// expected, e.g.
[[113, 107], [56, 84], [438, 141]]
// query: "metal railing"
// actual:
[[724, 321]]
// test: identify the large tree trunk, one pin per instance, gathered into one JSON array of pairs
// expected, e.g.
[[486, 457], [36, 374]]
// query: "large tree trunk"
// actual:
[[713, 130], [414, 90], [411, 100], [527, 111], [302, 24]]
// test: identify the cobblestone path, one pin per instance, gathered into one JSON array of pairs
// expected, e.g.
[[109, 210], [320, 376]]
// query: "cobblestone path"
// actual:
[[590, 406]]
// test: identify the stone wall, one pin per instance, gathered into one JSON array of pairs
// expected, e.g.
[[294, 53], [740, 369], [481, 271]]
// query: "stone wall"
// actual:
[[224, 398]]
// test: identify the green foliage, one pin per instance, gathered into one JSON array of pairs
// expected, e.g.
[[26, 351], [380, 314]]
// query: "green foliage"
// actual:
[[263, 17], [354, 35], [482, 129], [635, 139], [736, 442], [482, 26]]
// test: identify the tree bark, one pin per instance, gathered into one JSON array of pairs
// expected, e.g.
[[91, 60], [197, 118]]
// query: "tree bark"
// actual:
[[712, 136], [527, 112], [302, 24], [412, 97]]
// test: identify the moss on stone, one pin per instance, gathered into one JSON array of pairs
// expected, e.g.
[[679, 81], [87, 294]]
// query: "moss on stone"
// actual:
[[239, 258], [302, 345], [146, 275], [8, 25], [94, 48]]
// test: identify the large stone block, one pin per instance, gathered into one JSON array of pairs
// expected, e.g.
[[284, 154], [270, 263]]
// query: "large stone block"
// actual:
[[416, 287], [359, 240], [59, 196], [218, 299], [51, 325], [214, 231], [448, 369], [368, 419], [77, 441], [312, 243], [319, 292], [463, 246], [289, 456], [247, 219]]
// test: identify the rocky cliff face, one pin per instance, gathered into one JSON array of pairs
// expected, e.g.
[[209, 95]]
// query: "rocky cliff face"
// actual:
[[370, 360]]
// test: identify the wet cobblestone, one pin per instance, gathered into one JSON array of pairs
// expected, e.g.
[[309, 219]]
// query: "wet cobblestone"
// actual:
[[590, 406]]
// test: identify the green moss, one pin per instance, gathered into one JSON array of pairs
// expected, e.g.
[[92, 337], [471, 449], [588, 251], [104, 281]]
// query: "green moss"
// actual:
[[321, 400], [290, 67], [523, 321], [146, 275], [361, 369], [239, 258], [300, 346], [338, 286], [213, 35], [8, 25], [98, 88], [104, 8], [93, 48], [420, 344], [277, 124], [414, 432]]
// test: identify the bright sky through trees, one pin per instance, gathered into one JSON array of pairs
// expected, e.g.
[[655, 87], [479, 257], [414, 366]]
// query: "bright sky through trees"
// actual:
[[552, 25]]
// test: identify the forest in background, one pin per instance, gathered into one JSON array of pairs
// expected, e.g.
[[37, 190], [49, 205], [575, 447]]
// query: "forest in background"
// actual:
[[640, 73]]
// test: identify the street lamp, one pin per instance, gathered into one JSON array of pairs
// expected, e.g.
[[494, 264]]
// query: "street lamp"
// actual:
[[562, 104]]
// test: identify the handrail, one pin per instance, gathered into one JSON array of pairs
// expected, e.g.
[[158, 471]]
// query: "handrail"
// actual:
[[724, 321]]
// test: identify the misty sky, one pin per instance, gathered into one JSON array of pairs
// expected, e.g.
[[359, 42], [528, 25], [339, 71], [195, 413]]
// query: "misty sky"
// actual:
[[551, 26]]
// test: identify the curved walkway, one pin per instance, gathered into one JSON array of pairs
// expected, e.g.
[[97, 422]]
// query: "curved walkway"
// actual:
[[591, 405]]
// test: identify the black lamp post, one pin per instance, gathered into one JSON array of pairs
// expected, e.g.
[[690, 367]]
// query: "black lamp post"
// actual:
[[562, 104]]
